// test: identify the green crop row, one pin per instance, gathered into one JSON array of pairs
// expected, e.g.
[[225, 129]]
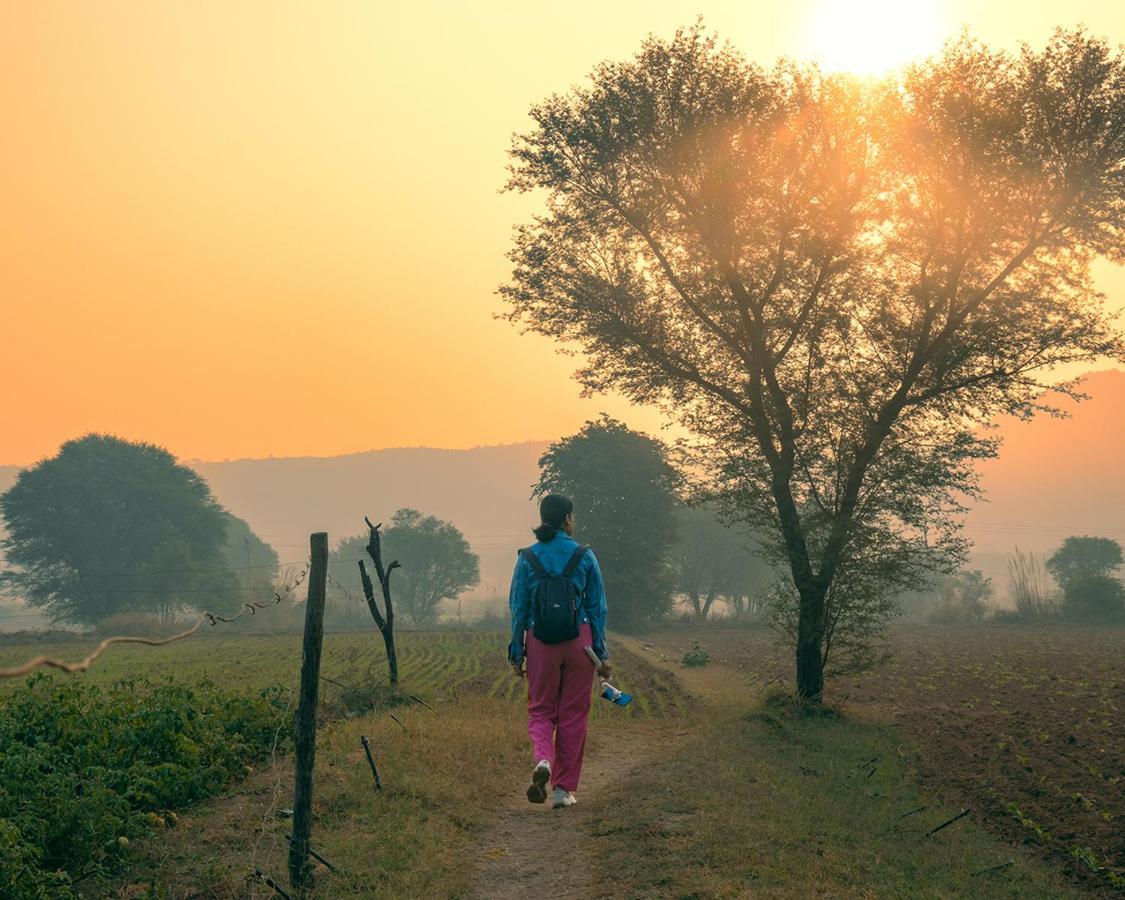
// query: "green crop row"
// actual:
[[90, 761], [435, 665], [84, 768]]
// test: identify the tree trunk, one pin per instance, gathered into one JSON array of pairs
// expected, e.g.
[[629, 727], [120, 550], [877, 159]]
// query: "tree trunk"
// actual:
[[708, 602], [810, 637], [392, 654]]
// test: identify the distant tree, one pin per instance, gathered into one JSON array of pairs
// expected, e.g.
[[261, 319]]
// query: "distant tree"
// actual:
[[830, 283], [1083, 567], [624, 493], [711, 562], [110, 526], [252, 561], [437, 563], [1081, 558], [1094, 598], [962, 598]]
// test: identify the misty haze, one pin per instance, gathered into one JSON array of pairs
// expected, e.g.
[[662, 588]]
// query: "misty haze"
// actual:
[[610, 451]]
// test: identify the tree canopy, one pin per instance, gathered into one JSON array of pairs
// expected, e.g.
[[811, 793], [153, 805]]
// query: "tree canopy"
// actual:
[[1084, 567], [109, 526], [624, 493], [1084, 557], [831, 283]]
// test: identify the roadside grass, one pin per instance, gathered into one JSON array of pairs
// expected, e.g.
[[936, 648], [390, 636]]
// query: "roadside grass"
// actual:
[[753, 800], [769, 803], [441, 777], [445, 771]]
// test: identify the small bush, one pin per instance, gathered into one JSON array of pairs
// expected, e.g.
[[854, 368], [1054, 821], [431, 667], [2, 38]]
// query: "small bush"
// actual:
[[780, 706], [696, 656]]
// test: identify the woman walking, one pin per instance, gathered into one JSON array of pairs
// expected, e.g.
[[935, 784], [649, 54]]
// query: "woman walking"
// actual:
[[558, 609]]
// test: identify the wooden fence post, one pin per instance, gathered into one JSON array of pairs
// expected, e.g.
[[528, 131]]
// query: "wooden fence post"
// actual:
[[300, 872]]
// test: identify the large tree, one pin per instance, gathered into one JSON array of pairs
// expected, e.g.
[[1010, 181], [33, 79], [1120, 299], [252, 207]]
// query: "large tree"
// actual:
[[1084, 557], [832, 283], [624, 493], [109, 526], [1084, 567], [437, 563]]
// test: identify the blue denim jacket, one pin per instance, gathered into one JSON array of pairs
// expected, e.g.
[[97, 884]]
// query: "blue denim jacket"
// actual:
[[587, 579]]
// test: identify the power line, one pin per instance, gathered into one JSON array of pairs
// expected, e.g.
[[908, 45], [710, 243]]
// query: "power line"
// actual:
[[199, 571]]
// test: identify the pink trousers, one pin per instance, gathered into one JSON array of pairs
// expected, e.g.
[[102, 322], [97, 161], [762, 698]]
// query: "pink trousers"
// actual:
[[560, 681]]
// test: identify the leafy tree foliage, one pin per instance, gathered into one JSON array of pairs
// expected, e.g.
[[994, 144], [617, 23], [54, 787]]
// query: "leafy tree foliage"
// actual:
[[831, 283], [1083, 567], [110, 526], [713, 562], [1094, 598], [437, 564], [1083, 557], [624, 493], [963, 598]]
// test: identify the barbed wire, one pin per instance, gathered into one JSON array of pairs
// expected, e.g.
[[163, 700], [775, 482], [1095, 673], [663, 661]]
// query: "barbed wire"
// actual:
[[83, 665], [343, 590]]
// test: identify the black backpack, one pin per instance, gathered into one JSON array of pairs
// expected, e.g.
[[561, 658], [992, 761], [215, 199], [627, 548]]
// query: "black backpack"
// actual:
[[555, 608]]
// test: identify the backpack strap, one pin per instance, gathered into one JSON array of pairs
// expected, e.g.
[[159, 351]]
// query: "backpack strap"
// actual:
[[575, 559], [533, 560]]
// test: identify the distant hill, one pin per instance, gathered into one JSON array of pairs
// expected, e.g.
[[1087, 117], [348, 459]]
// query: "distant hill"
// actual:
[[1054, 477], [484, 491]]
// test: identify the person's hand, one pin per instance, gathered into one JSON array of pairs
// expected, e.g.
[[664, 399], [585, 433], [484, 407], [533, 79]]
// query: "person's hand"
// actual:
[[520, 668], [604, 669]]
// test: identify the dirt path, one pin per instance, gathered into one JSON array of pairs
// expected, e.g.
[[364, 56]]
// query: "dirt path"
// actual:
[[536, 851]]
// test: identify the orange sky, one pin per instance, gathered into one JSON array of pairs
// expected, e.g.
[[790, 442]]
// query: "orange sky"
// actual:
[[244, 229]]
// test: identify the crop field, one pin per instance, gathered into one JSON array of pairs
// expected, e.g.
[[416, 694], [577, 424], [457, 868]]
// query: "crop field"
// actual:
[[1026, 726], [1021, 726], [149, 732], [438, 666]]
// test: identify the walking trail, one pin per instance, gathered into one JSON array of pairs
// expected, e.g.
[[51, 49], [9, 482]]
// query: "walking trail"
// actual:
[[535, 851]]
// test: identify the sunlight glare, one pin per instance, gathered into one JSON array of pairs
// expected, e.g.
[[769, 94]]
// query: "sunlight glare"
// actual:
[[869, 37]]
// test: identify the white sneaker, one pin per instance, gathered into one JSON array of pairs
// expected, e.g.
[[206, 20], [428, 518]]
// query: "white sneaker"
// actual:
[[537, 790], [561, 798]]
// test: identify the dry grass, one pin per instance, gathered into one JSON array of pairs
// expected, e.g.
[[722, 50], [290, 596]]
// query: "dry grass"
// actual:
[[747, 800], [767, 802], [441, 777]]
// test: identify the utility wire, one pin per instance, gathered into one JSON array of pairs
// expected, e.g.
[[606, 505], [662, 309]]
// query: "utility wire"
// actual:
[[84, 664]]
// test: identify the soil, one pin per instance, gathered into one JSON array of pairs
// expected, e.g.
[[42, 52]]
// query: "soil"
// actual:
[[1025, 725], [536, 851]]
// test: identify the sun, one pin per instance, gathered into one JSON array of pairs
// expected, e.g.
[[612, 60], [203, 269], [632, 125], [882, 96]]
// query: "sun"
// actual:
[[869, 37]]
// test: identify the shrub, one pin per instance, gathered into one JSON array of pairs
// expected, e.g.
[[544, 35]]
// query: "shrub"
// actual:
[[1030, 588], [83, 766], [696, 656]]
